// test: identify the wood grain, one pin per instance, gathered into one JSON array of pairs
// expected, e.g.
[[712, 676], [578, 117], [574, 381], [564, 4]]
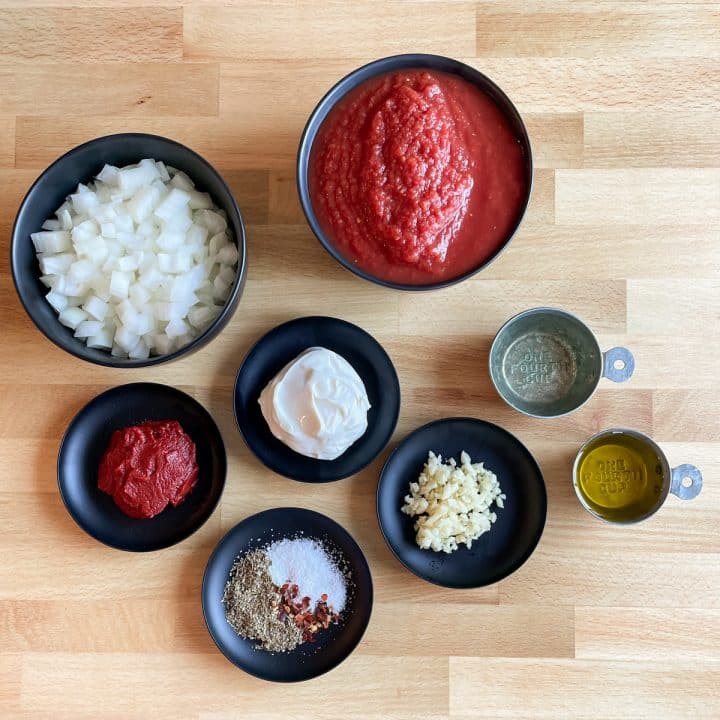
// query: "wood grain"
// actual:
[[134, 89], [638, 139], [104, 34], [646, 634], [608, 82], [289, 30], [617, 197], [583, 689], [622, 102], [590, 29]]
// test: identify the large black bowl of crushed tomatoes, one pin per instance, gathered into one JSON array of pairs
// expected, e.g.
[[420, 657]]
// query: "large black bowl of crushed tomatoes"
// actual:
[[415, 171]]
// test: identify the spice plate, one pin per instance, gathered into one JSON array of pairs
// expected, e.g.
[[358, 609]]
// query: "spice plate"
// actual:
[[520, 523], [333, 645], [283, 344], [87, 438]]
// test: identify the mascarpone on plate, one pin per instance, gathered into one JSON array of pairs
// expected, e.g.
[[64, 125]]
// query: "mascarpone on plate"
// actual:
[[317, 404]]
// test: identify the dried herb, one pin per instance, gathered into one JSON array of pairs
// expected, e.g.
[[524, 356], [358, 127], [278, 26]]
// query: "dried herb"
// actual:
[[252, 605]]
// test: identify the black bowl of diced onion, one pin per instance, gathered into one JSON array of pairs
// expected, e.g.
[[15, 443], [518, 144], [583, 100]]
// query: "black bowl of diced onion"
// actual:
[[129, 251]]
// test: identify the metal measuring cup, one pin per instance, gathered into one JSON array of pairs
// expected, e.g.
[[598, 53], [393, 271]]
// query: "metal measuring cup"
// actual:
[[546, 362], [685, 481]]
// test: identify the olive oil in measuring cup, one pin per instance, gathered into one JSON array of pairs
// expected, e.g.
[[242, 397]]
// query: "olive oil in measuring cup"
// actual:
[[619, 477]]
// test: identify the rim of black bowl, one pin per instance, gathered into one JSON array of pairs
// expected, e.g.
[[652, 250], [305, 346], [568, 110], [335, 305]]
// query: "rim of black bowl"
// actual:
[[216, 550], [104, 540], [211, 332], [529, 551], [378, 67], [295, 476]]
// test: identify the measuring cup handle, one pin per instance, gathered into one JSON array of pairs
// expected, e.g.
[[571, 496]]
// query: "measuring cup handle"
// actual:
[[676, 484], [622, 374]]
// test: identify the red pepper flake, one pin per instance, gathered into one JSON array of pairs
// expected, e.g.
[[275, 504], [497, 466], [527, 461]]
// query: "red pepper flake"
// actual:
[[309, 621]]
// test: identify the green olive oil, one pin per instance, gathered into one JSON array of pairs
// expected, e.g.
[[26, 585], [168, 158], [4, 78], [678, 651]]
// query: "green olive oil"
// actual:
[[620, 477]]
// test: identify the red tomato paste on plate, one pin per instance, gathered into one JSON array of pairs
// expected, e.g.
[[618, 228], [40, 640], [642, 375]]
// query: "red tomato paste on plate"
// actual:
[[148, 466], [417, 176]]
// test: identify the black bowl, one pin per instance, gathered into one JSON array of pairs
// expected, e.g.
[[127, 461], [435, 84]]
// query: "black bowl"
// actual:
[[81, 165], [332, 645], [519, 526], [275, 350], [87, 438], [380, 67]]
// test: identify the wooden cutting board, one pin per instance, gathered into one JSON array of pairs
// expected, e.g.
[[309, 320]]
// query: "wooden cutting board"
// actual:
[[622, 101]]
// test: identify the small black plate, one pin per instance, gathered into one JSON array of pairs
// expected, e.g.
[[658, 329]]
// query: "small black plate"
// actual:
[[275, 350], [87, 438], [334, 644], [519, 526]]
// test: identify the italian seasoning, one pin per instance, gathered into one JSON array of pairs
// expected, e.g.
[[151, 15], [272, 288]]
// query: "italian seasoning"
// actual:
[[252, 605]]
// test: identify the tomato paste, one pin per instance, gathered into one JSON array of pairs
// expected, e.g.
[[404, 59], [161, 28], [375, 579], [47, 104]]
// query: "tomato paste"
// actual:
[[148, 466], [417, 176]]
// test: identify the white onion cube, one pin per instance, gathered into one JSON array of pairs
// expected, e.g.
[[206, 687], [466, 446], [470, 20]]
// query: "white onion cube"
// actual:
[[173, 204], [128, 263], [151, 278], [217, 241], [81, 271], [109, 175], [132, 178], [145, 324], [139, 296], [119, 284], [66, 286], [213, 221], [228, 254], [96, 308], [58, 301], [88, 328], [65, 219], [139, 352], [124, 223], [108, 230], [103, 340], [176, 327], [125, 339], [163, 343], [72, 316], [51, 241], [220, 288], [170, 240], [82, 202], [227, 274], [163, 171], [199, 200], [181, 221], [181, 181], [143, 202], [202, 315], [55, 264]]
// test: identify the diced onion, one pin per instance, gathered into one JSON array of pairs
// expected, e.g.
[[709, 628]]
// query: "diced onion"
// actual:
[[138, 262]]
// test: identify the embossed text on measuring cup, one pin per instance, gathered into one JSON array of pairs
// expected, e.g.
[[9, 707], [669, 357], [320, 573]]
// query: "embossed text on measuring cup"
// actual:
[[540, 367]]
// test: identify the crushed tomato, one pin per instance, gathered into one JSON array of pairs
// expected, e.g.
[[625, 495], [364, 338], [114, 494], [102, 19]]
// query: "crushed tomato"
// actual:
[[417, 176]]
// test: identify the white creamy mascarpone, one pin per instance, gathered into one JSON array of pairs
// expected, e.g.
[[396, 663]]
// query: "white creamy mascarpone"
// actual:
[[317, 404]]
